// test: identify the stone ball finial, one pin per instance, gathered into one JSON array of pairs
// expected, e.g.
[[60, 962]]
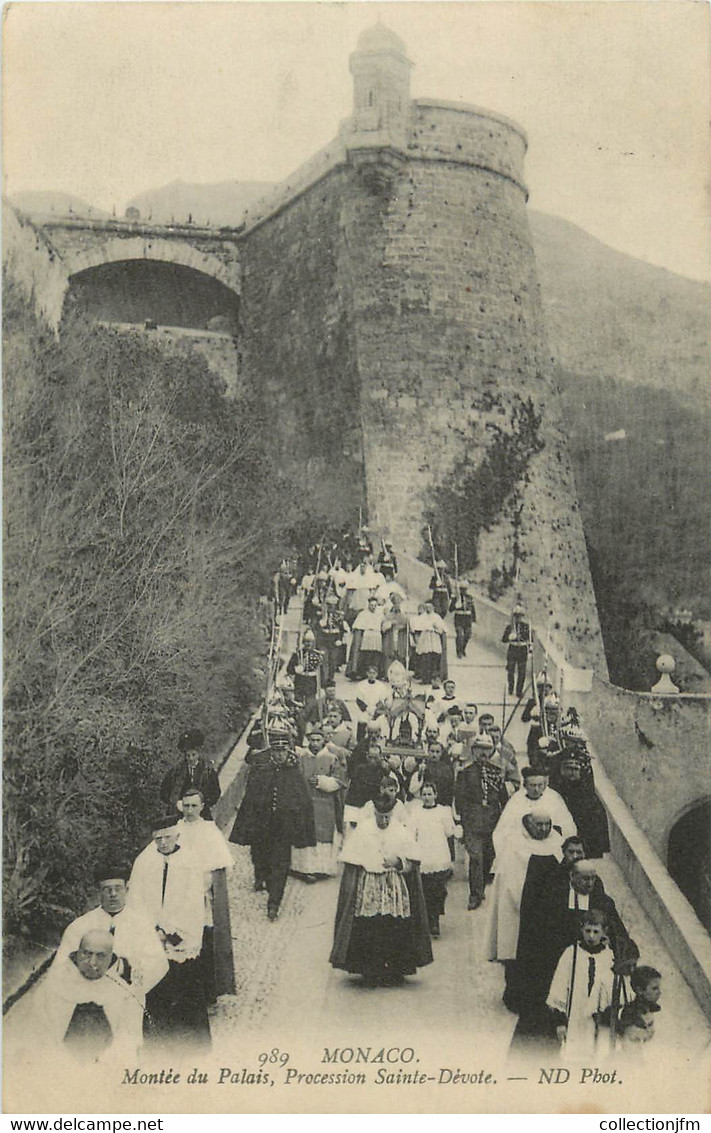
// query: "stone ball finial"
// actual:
[[380, 38], [665, 685]]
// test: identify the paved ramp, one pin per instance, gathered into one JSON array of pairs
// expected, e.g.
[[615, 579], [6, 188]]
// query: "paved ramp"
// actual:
[[284, 978]]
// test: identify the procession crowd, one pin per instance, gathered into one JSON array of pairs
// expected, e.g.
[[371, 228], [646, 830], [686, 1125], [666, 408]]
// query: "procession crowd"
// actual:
[[379, 786]]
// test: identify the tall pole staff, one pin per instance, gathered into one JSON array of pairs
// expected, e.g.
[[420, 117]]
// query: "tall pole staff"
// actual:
[[438, 576]]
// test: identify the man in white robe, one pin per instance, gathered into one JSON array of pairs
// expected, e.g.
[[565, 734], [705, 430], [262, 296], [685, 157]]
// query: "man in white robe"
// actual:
[[207, 842], [533, 837], [367, 641], [167, 882], [85, 1010], [359, 585], [535, 792], [139, 956], [429, 645]]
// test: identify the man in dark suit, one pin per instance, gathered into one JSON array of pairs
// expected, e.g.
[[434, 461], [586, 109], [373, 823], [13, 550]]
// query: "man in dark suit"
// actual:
[[192, 771]]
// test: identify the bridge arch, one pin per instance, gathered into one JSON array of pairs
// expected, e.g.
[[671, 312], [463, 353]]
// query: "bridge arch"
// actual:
[[689, 855], [153, 248]]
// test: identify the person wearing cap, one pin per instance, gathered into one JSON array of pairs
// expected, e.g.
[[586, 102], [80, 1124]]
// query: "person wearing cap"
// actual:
[[330, 630], [441, 587], [535, 733], [84, 1010], [167, 885], [572, 777], [387, 562], [535, 789], [520, 643], [543, 688], [138, 955], [275, 815], [478, 801], [367, 642], [323, 766], [305, 666], [532, 851], [381, 929], [464, 610], [191, 770], [207, 842]]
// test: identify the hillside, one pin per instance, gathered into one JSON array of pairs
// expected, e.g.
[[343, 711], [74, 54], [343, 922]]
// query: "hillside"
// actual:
[[640, 457], [49, 201], [611, 315], [220, 204]]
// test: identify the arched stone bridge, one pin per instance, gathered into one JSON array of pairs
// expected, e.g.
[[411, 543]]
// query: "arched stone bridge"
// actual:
[[66, 249]]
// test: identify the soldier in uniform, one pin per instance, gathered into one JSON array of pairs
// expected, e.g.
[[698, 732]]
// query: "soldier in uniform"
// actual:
[[387, 563], [478, 800], [276, 814], [329, 637], [304, 666], [518, 636], [441, 588], [462, 606]]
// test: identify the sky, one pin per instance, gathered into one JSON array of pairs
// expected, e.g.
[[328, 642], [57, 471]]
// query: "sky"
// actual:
[[106, 100]]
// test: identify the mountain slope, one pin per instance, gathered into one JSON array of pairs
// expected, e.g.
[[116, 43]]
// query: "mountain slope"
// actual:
[[611, 315], [49, 201], [220, 204]]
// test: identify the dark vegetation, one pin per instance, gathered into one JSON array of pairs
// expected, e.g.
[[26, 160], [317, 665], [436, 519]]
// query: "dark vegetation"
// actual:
[[646, 507], [473, 497], [142, 521]]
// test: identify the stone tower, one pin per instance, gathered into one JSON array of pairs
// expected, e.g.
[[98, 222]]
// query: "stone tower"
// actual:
[[381, 86], [391, 309]]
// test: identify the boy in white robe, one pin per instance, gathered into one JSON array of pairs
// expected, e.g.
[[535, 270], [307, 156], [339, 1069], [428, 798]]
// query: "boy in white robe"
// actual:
[[208, 844], [580, 994]]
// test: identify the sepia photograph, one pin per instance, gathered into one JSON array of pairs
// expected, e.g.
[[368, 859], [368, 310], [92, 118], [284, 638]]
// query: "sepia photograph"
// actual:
[[357, 557]]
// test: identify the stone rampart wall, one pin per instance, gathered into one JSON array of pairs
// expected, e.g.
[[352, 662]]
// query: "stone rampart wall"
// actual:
[[296, 345]]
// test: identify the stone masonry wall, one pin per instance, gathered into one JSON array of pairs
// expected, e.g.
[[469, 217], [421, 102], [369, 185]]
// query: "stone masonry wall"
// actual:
[[655, 749], [391, 316], [449, 334], [296, 346]]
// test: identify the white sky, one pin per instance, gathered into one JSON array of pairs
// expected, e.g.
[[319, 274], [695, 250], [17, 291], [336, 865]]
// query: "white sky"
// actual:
[[107, 100]]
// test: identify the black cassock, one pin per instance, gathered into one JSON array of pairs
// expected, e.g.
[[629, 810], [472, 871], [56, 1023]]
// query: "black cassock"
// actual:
[[547, 927]]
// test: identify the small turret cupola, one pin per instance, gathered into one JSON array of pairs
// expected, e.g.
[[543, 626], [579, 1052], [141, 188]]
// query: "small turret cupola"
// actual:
[[381, 84]]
